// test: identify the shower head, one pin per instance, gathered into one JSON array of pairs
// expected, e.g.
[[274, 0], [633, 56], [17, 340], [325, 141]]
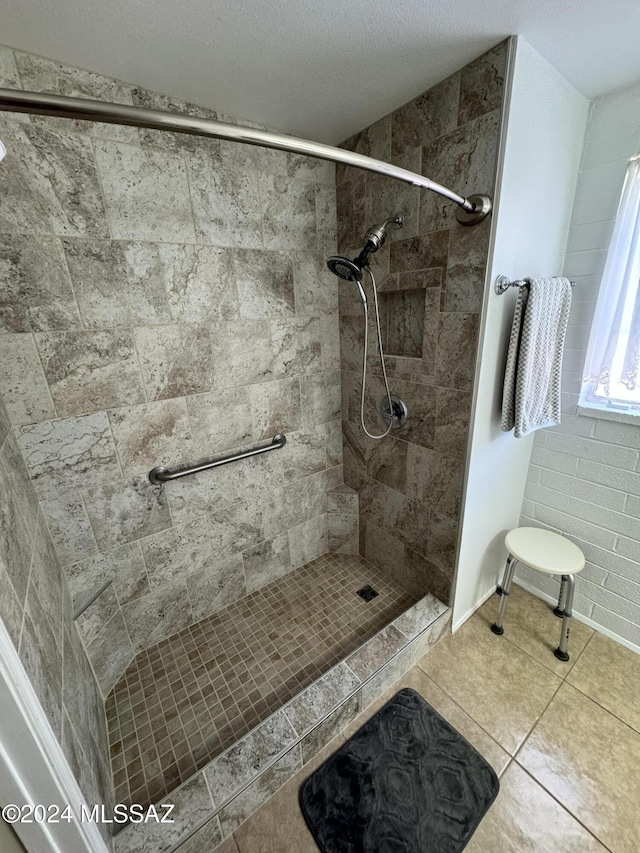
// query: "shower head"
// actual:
[[344, 268], [352, 270], [349, 271]]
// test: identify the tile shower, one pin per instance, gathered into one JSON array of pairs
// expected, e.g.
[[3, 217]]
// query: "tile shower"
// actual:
[[431, 280], [175, 308], [164, 299]]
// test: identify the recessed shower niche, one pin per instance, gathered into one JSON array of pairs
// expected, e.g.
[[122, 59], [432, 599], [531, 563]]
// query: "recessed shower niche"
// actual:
[[402, 301], [403, 322]]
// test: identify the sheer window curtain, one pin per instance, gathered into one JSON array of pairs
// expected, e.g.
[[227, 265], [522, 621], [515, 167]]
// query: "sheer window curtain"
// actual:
[[613, 355]]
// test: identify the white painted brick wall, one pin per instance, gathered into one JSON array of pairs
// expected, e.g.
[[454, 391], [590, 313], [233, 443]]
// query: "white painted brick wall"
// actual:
[[584, 477]]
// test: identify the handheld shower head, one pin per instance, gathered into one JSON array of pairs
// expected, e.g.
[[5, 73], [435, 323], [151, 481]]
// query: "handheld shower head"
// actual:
[[352, 270], [344, 268], [348, 271]]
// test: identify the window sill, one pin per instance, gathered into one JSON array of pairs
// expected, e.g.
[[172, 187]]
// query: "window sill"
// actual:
[[608, 415]]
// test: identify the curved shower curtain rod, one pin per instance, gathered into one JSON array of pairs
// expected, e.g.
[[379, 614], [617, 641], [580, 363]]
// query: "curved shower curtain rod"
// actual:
[[470, 210]]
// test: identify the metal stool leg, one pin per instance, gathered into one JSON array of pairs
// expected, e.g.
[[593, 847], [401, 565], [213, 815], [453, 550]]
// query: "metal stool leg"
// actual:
[[506, 589], [562, 598], [561, 652]]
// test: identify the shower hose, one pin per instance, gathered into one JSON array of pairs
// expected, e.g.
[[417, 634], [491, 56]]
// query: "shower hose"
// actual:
[[364, 360]]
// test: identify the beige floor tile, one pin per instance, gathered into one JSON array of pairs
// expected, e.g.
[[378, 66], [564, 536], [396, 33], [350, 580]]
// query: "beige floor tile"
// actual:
[[589, 760], [447, 708], [501, 687], [530, 625], [278, 826], [610, 675], [525, 819]]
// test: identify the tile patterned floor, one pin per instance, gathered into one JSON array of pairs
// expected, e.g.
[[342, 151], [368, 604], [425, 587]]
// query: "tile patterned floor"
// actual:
[[565, 742], [186, 699]]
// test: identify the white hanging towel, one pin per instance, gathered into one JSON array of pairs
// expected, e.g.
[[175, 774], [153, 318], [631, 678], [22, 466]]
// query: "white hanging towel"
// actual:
[[531, 394]]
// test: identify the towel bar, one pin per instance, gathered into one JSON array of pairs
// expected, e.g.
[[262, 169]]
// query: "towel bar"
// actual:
[[503, 283]]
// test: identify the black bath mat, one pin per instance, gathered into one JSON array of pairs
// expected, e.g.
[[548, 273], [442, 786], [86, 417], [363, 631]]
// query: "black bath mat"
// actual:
[[406, 782]]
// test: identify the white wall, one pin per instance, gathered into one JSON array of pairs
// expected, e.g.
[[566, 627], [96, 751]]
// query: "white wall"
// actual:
[[541, 145], [584, 478]]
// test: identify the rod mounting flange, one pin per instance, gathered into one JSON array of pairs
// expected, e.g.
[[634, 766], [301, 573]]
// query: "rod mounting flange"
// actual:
[[503, 283], [481, 209], [155, 475]]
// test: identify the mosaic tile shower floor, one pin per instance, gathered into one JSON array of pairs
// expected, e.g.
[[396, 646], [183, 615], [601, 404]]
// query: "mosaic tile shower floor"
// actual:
[[185, 700]]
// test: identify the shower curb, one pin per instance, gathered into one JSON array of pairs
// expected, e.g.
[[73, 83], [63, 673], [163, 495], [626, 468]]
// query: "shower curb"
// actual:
[[217, 799]]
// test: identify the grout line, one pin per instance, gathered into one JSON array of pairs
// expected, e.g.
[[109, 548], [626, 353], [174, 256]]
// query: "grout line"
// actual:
[[479, 724], [91, 141], [112, 436], [61, 241], [131, 330], [24, 603], [622, 513], [570, 684], [562, 805], [540, 716], [608, 710], [537, 660], [80, 493], [464, 711], [40, 360], [186, 161], [585, 480], [14, 53]]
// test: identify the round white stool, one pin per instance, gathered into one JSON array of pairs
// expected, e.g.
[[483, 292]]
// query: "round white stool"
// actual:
[[549, 553]]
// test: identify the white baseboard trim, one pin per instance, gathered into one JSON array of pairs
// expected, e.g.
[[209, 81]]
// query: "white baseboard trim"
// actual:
[[580, 618], [33, 767], [460, 622]]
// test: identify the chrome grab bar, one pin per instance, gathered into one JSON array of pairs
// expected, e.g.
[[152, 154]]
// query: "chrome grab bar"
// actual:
[[160, 474]]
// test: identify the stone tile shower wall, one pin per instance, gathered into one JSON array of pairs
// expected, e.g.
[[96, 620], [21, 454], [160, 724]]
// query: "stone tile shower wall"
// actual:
[[35, 607], [164, 299], [410, 483]]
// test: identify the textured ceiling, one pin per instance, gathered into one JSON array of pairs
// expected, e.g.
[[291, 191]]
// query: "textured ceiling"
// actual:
[[320, 70]]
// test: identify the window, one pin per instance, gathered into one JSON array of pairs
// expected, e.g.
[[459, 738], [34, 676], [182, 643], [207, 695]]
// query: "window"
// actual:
[[612, 380]]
